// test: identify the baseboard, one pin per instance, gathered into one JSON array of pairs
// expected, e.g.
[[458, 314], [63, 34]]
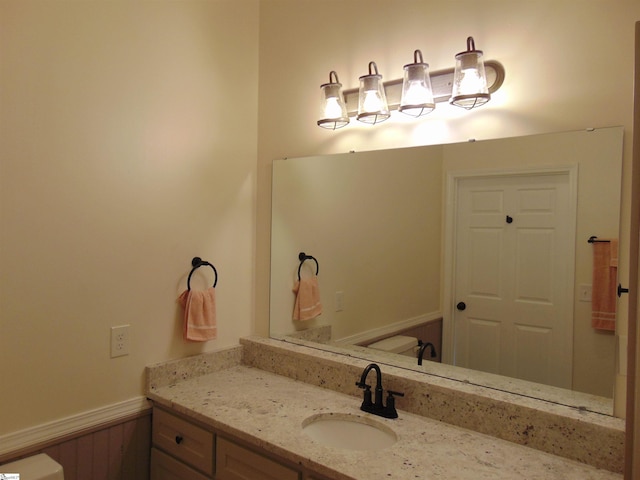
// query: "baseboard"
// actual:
[[363, 337], [47, 432]]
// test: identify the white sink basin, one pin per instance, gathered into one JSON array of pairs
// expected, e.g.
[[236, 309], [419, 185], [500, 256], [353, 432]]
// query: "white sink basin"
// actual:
[[346, 431]]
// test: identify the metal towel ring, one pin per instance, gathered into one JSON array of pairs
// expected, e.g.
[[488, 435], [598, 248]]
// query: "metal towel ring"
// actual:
[[196, 263], [302, 257]]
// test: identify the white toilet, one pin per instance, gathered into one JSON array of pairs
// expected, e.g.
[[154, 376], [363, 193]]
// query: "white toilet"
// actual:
[[401, 344], [37, 467]]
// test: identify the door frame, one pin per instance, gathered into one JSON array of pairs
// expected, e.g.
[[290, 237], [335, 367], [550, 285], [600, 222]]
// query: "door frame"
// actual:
[[452, 181]]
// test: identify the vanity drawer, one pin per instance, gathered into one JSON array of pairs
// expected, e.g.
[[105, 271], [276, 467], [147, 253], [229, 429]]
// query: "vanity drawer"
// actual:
[[234, 462], [165, 467], [183, 440]]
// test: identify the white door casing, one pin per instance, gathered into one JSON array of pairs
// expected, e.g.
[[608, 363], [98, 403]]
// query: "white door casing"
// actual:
[[510, 254]]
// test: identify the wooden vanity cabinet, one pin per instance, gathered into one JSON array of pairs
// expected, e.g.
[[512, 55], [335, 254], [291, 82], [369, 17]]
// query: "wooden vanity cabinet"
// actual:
[[182, 450], [166, 467], [235, 462]]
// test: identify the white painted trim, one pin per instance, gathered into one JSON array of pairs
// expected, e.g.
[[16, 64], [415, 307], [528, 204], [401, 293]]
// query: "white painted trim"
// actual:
[[69, 425], [388, 329]]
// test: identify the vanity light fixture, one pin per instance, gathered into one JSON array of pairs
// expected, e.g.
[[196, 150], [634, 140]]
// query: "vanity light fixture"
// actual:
[[333, 113], [417, 95], [469, 79], [373, 101]]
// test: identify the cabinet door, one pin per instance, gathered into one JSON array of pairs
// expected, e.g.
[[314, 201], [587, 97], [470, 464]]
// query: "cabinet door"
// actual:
[[185, 441], [234, 462], [164, 467]]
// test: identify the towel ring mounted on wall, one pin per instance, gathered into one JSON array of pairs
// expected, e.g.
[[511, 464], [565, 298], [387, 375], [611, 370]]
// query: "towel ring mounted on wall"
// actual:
[[302, 257], [197, 262]]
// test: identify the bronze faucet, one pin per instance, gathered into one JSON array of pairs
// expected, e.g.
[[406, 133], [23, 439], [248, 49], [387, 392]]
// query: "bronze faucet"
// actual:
[[423, 347], [377, 407]]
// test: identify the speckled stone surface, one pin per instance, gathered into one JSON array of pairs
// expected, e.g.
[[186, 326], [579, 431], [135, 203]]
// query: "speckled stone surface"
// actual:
[[175, 371], [267, 411], [320, 334], [587, 437], [562, 396]]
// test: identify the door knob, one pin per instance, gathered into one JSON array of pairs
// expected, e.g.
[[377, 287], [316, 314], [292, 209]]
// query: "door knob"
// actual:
[[461, 306]]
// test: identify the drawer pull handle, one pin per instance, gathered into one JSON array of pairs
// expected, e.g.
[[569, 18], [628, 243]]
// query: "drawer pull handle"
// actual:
[[179, 439]]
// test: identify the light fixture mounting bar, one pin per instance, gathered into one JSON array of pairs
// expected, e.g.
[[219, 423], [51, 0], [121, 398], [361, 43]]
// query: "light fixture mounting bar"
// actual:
[[441, 83]]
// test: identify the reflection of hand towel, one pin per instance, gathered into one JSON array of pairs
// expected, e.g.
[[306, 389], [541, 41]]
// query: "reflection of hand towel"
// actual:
[[307, 304], [605, 276], [199, 314]]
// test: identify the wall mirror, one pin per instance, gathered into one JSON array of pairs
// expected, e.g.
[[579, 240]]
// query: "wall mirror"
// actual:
[[387, 229]]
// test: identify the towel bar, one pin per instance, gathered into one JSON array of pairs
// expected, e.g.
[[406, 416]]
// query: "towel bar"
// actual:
[[197, 262], [594, 239], [302, 257]]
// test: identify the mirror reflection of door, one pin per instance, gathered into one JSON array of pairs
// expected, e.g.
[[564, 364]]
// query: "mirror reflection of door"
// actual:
[[513, 281]]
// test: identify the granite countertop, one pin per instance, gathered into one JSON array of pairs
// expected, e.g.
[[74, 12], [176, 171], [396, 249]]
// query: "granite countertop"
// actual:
[[267, 411]]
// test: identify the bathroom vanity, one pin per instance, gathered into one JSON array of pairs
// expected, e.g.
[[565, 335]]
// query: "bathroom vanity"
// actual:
[[186, 448], [231, 415]]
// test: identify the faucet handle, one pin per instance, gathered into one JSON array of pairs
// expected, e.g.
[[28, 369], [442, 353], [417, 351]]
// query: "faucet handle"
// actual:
[[390, 408], [367, 403]]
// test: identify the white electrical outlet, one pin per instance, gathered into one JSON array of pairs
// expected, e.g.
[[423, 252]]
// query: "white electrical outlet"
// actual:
[[585, 293], [119, 341]]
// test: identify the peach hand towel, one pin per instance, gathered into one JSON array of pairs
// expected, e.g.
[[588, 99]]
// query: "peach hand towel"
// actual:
[[199, 314], [605, 277], [307, 305]]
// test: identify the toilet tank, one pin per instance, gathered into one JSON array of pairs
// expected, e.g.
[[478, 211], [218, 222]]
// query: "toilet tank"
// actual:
[[37, 467], [401, 344]]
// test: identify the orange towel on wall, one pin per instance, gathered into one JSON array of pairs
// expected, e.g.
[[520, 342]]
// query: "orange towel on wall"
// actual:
[[605, 278], [307, 305], [199, 314]]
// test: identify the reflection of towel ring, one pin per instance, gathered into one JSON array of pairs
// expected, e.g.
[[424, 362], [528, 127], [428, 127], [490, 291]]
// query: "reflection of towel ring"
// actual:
[[302, 257], [198, 262]]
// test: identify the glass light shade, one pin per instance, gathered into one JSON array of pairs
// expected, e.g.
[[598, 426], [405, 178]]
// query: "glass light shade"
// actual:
[[417, 95], [333, 114], [469, 79], [372, 100]]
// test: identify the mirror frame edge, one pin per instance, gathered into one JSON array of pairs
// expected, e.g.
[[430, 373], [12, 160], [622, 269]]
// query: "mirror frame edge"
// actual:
[[632, 430]]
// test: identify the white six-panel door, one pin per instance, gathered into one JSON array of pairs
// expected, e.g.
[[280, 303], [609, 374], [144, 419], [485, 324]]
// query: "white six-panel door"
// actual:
[[513, 240]]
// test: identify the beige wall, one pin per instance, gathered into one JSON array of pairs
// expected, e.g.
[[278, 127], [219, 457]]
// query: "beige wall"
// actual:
[[128, 146], [344, 210], [568, 63]]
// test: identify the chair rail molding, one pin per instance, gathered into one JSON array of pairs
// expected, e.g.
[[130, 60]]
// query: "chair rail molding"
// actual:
[[73, 424]]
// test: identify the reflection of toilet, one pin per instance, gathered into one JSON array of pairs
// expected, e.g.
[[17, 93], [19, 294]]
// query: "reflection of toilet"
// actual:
[[38, 467], [397, 344]]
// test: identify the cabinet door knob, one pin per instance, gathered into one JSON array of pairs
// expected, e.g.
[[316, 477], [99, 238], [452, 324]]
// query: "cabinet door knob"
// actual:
[[461, 306], [179, 439]]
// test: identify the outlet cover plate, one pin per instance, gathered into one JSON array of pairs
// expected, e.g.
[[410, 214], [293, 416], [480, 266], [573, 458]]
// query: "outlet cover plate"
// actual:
[[119, 341]]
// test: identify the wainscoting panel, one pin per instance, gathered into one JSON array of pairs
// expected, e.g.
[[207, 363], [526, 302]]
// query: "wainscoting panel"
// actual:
[[118, 451]]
